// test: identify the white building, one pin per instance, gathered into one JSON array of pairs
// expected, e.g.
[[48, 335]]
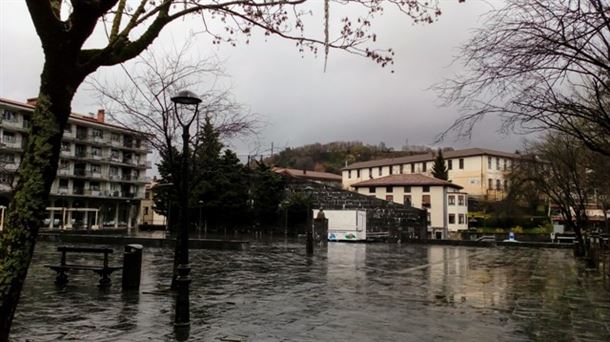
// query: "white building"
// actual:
[[480, 172], [101, 173], [447, 206]]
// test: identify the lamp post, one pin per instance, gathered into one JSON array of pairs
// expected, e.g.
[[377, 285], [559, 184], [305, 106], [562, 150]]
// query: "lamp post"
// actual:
[[183, 100]]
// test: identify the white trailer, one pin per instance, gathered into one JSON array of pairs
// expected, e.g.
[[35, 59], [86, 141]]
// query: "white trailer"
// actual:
[[345, 225]]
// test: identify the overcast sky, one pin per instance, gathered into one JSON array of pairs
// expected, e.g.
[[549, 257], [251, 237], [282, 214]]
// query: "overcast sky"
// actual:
[[355, 99]]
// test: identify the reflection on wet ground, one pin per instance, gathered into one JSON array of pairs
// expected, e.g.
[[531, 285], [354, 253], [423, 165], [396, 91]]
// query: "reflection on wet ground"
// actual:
[[355, 292]]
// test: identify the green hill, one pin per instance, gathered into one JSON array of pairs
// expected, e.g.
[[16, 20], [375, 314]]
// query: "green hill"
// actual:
[[331, 157]]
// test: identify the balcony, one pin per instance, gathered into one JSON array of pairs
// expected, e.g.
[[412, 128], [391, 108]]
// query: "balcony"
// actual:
[[78, 191], [80, 172], [63, 172], [126, 177]]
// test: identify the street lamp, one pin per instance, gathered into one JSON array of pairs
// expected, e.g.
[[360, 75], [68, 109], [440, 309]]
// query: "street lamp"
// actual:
[[184, 100]]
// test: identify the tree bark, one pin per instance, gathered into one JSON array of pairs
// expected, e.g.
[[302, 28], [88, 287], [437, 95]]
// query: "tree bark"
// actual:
[[36, 174]]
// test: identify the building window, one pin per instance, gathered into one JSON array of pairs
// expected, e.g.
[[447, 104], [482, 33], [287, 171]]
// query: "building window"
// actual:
[[461, 219], [451, 218], [407, 188], [402, 169], [461, 163], [94, 186], [461, 200], [497, 163], [449, 164], [505, 185], [9, 137], [490, 184], [113, 171], [115, 137], [64, 164], [391, 169], [489, 162], [65, 146], [358, 173], [504, 164], [379, 170], [389, 197], [349, 174], [425, 201], [9, 115], [498, 184], [407, 200], [80, 150], [370, 172], [451, 199], [27, 123], [63, 183], [372, 189], [412, 168], [7, 158], [96, 151], [389, 189], [68, 128], [145, 210], [115, 154], [81, 132], [147, 194], [426, 188], [97, 133], [423, 166], [96, 168]]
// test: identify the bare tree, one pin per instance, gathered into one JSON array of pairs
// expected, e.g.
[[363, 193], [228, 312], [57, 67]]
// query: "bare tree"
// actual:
[[539, 64], [557, 167], [64, 26]]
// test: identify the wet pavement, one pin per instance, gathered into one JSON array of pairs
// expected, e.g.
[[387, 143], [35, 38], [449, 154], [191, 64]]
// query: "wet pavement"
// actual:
[[346, 292]]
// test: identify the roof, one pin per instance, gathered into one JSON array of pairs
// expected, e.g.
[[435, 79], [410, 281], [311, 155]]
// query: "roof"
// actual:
[[327, 176], [412, 179], [430, 157], [73, 116]]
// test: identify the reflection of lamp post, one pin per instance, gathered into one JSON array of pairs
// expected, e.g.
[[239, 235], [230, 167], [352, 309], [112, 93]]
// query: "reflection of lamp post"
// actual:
[[309, 227], [184, 99], [200, 207]]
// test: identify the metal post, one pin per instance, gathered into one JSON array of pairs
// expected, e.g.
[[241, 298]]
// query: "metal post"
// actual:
[[182, 318]]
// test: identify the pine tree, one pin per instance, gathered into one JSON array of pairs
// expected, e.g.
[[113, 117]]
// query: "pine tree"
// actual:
[[439, 170]]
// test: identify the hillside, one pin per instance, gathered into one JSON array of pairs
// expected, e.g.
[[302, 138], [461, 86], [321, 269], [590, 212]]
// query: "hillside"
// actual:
[[333, 156]]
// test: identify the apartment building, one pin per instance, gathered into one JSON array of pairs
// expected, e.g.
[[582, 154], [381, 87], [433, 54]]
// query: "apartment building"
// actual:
[[447, 206], [101, 173], [480, 172]]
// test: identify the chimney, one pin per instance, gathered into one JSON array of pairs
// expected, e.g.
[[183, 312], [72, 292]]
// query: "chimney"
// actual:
[[101, 115], [32, 101]]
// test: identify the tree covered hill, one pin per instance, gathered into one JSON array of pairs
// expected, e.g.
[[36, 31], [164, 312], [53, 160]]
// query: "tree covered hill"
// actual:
[[331, 157]]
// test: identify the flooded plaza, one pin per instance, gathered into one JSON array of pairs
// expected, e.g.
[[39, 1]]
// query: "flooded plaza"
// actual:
[[345, 292]]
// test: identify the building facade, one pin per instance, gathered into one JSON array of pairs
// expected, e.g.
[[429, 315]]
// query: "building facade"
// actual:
[[101, 172], [480, 172], [148, 216], [446, 204]]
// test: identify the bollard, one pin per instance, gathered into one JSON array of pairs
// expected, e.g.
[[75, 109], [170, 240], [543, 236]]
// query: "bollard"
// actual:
[[132, 266]]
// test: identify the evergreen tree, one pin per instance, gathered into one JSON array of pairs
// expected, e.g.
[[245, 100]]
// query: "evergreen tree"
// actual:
[[266, 193], [439, 170]]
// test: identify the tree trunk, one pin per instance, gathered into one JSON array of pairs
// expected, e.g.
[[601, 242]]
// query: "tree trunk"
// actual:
[[36, 174]]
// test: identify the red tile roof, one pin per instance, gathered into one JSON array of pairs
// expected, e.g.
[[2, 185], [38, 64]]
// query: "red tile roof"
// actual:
[[430, 157], [326, 176], [413, 179]]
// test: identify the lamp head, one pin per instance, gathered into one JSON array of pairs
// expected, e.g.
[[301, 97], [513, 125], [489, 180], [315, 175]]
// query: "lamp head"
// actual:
[[186, 97]]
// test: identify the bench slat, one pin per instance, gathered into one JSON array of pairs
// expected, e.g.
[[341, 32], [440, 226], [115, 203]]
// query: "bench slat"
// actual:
[[84, 249], [83, 267]]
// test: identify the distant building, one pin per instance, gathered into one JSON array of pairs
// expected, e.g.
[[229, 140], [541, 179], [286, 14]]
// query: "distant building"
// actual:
[[315, 176], [148, 216], [447, 206], [480, 172], [101, 172]]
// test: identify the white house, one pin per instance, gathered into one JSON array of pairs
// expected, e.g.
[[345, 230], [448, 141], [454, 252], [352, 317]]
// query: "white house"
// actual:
[[447, 206]]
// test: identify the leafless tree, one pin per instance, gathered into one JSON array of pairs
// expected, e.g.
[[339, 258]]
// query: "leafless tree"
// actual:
[[538, 64], [557, 166], [144, 101]]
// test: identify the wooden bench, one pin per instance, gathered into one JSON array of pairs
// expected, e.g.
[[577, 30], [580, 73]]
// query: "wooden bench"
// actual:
[[104, 270]]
